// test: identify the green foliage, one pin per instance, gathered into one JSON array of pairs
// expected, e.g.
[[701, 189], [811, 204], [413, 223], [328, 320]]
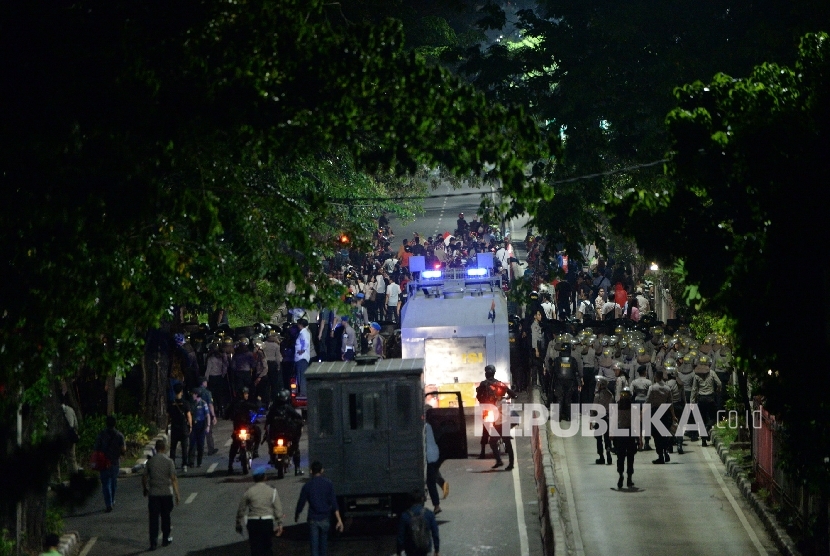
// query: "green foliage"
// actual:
[[189, 153], [749, 159], [603, 76], [7, 547], [54, 521], [707, 322]]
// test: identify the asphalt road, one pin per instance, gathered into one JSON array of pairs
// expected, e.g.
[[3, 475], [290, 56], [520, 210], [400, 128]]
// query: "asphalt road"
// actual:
[[481, 515], [689, 506]]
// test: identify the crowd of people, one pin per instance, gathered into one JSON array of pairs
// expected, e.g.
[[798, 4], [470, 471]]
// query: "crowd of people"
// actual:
[[629, 364]]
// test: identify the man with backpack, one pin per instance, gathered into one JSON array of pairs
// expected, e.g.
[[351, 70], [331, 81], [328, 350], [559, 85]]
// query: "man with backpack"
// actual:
[[585, 311], [417, 529], [110, 443]]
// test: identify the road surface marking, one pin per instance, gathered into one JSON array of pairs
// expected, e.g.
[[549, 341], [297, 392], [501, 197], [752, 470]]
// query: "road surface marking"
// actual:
[[212, 468], [734, 504], [520, 511], [192, 497], [89, 544], [229, 442]]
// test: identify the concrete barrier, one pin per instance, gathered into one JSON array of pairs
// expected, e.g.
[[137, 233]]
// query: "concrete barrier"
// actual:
[[553, 528]]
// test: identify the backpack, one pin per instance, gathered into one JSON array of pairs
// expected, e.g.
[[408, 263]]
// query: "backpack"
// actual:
[[485, 394], [419, 534], [588, 311]]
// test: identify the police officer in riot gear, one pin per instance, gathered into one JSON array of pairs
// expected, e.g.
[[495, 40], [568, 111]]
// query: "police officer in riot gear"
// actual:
[[567, 375], [282, 417], [492, 391]]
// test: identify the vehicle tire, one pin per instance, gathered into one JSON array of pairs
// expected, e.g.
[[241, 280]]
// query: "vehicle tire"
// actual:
[[280, 469], [244, 460]]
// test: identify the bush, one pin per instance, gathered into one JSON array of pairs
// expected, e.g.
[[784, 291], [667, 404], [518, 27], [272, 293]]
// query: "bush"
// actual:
[[6, 543], [54, 520]]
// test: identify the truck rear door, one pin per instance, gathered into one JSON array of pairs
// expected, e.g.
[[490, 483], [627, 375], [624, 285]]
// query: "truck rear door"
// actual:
[[365, 436]]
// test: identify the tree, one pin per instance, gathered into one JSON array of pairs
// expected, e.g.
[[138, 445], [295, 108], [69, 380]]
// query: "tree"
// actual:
[[602, 73], [750, 159], [161, 153]]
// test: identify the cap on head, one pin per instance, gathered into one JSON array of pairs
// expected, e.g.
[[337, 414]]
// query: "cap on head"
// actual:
[[375, 325], [360, 295], [178, 388], [345, 318], [259, 473], [245, 390]]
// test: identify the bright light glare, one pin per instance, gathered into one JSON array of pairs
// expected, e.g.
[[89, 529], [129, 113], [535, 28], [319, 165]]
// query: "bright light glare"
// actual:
[[431, 274], [476, 271], [654, 267]]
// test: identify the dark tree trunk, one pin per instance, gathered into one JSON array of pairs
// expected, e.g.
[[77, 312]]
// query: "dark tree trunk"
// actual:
[[154, 366]]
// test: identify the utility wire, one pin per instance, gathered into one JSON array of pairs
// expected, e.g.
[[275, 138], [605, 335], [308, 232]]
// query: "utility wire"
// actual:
[[468, 193]]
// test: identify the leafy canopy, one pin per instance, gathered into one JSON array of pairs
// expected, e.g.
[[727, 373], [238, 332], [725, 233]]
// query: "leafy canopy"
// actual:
[[159, 153], [749, 165]]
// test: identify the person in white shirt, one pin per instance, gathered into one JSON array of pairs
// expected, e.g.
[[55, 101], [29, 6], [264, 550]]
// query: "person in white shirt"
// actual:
[[642, 301], [548, 306], [380, 295], [611, 311], [393, 297], [302, 355]]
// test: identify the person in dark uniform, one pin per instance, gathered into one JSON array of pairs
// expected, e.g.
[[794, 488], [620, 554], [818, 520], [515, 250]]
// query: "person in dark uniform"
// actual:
[[626, 442], [282, 417], [605, 398], [492, 391], [240, 414], [181, 423], [261, 508], [567, 375]]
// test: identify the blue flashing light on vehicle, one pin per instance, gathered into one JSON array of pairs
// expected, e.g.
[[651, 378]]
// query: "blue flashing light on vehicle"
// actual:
[[431, 274], [476, 272]]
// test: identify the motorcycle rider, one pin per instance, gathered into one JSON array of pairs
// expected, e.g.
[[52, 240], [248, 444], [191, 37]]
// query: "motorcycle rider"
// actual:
[[283, 418], [240, 414], [492, 391]]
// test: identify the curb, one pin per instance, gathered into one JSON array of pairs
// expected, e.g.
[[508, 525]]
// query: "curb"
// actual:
[[70, 543], [553, 501], [149, 451], [779, 535]]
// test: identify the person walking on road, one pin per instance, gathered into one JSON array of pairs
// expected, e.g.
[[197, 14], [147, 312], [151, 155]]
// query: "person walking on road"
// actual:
[[206, 395], [111, 443], [659, 395], [161, 488], [626, 441], [417, 529], [181, 423], [322, 502], [261, 508], [434, 468], [201, 426]]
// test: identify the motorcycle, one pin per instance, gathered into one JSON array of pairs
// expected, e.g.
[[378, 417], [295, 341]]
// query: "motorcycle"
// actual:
[[246, 439], [282, 451]]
